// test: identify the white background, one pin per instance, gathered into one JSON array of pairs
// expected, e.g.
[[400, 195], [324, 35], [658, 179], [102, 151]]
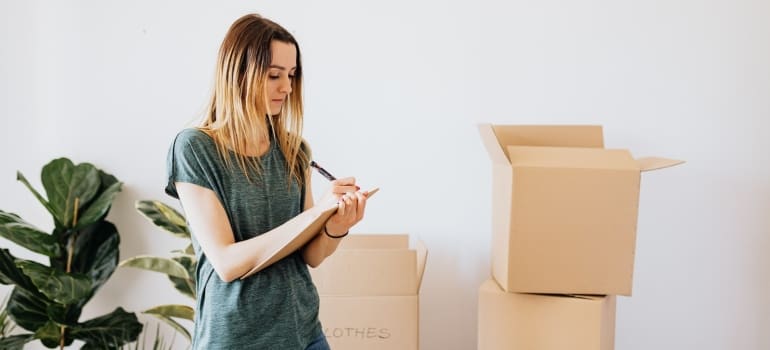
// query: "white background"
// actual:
[[394, 90]]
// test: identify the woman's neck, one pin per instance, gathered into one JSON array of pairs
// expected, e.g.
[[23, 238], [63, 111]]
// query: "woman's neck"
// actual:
[[256, 149], [254, 146]]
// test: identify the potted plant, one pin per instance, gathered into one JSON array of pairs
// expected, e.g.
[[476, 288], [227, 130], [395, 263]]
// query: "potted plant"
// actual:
[[8, 341], [180, 267], [82, 253]]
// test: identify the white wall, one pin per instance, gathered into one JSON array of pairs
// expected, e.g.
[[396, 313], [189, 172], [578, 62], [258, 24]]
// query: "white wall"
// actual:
[[393, 92]]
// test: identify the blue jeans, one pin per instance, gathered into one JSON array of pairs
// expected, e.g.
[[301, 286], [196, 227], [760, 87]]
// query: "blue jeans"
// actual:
[[319, 344]]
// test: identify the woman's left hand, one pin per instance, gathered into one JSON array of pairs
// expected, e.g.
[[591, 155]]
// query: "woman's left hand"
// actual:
[[350, 211]]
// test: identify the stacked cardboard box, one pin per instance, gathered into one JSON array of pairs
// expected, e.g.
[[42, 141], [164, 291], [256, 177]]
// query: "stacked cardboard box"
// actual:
[[369, 290], [564, 234]]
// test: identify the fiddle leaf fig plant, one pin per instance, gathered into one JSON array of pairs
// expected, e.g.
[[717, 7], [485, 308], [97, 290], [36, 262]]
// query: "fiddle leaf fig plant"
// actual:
[[180, 268], [7, 340], [82, 252]]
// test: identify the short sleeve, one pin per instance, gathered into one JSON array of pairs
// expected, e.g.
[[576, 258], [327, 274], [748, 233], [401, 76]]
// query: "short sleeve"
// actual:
[[191, 159]]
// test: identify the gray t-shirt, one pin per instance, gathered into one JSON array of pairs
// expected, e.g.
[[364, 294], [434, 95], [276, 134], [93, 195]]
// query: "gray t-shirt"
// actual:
[[276, 308]]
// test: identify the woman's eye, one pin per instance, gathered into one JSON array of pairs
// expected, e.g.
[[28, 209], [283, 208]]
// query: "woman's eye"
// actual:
[[273, 77], [291, 77]]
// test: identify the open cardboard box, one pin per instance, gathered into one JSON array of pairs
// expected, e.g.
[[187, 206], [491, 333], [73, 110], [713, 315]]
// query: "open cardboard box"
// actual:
[[369, 291], [564, 209], [513, 321]]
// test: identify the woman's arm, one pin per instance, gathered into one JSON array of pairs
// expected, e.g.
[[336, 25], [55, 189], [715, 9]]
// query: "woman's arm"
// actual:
[[211, 227]]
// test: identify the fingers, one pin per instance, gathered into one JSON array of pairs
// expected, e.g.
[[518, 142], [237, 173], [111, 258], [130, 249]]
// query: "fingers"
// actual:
[[345, 181], [348, 206], [351, 207], [342, 206], [344, 185], [361, 205]]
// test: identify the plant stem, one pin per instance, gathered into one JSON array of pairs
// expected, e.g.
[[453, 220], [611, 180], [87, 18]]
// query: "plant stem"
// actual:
[[70, 252], [70, 249]]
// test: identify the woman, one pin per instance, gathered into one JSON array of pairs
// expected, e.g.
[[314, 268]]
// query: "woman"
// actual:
[[240, 176]]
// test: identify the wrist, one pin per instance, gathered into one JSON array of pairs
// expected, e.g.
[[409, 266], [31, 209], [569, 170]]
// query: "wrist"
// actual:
[[326, 232]]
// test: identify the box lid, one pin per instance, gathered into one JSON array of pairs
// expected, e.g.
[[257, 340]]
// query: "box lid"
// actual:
[[571, 157], [497, 137], [490, 286], [579, 157], [372, 264], [655, 163]]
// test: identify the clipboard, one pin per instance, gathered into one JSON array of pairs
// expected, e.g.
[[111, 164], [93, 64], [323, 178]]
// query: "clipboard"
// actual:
[[308, 228]]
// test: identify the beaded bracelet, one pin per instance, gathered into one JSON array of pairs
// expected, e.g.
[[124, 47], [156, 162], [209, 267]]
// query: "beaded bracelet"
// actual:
[[332, 236]]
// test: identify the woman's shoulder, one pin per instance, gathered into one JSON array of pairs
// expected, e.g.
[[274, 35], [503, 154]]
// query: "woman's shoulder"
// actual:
[[194, 137], [194, 141], [193, 134]]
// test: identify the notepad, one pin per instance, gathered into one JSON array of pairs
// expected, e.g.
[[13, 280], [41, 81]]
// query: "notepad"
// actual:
[[307, 227]]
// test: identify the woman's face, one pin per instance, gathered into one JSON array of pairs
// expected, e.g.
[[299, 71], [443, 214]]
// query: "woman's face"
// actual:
[[281, 74]]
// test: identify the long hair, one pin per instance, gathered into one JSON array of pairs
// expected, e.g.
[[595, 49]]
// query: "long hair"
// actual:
[[239, 106]]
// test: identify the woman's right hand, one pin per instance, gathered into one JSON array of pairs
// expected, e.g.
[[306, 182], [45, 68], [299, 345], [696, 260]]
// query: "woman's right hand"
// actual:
[[338, 189]]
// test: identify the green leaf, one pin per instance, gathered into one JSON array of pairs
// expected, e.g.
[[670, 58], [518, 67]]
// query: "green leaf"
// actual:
[[49, 334], [106, 179], [64, 182], [18, 231], [27, 309], [157, 264], [15, 342], [164, 217], [11, 274], [189, 251], [96, 253], [185, 286], [179, 311], [109, 331], [174, 324], [57, 285], [99, 207], [58, 313], [43, 201]]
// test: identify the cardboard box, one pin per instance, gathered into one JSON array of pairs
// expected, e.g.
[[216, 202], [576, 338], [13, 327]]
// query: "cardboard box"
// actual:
[[369, 291], [513, 321], [564, 209]]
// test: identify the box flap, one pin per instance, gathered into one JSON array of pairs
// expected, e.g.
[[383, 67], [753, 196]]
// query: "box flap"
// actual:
[[422, 257], [550, 135], [496, 153], [655, 163], [571, 157], [497, 137], [372, 265], [375, 241]]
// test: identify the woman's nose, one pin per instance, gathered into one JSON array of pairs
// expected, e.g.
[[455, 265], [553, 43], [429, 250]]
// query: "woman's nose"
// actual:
[[286, 85]]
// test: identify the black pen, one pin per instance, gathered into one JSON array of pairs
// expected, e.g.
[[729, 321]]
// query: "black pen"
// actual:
[[322, 171]]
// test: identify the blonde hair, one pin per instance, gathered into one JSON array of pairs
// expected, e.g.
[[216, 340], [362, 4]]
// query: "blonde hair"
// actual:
[[239, 109]]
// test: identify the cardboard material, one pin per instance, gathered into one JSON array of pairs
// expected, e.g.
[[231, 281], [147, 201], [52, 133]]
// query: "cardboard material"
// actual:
[[372, 265], [371, 322], [564, 209], [513, 321], [307, 225], [369, 290]]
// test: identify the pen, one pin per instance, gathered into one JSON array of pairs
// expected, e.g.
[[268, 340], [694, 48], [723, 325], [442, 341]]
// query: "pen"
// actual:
[[322, 171]]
